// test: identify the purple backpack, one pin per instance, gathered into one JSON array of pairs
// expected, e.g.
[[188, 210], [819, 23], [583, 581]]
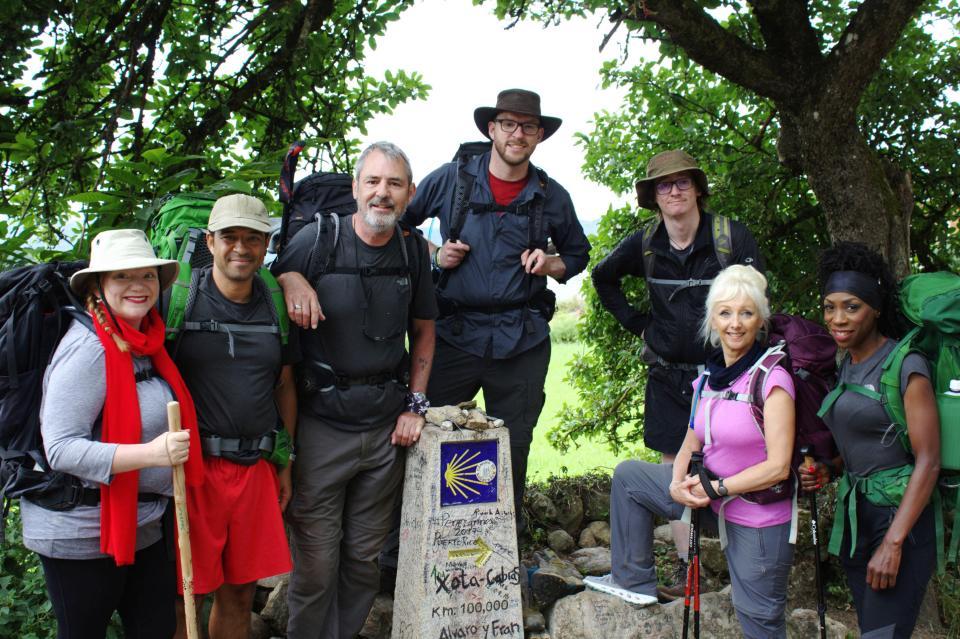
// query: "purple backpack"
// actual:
[[811, 357]]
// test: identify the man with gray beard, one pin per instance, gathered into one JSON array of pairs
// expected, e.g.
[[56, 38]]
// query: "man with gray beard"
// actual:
[[361, 398]]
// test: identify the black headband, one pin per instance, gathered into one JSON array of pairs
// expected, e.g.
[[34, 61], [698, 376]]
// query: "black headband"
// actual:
[[860, 284]]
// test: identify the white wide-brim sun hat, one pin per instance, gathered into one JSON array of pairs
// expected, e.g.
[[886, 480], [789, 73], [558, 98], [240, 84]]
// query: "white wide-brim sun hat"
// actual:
[[122, 250]]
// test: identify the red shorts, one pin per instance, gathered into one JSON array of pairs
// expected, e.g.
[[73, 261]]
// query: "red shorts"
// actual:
[[236, 528]]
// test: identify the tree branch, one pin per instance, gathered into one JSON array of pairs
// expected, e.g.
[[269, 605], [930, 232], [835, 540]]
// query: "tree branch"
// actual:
[[787, 32], [854, 60], [715, 48]]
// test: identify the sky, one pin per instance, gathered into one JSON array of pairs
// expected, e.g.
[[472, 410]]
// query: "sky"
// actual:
[[468, 57]]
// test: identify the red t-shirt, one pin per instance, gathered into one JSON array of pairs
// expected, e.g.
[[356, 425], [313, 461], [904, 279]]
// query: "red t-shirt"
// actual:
[[505, 192]]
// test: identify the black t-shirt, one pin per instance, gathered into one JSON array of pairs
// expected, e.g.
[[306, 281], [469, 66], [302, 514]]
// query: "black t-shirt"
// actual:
[[364, 332], [233, 394], [860, 425]]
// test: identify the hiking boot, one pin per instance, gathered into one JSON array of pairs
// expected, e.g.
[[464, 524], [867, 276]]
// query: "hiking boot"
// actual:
[[677, 583], [608, 586]]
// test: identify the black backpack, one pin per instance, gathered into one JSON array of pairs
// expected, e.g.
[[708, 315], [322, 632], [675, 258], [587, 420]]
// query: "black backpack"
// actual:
[[318, 193], [326, 197], [36, 306]]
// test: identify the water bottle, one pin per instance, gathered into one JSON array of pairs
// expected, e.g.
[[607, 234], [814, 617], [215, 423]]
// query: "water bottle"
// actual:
[[954, 388]]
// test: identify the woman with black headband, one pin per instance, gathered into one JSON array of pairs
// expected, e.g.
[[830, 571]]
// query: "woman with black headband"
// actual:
[[884, 529]]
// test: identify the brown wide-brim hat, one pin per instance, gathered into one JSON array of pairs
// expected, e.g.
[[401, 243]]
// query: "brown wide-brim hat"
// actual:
[[516, 101], [667, 163], [122, 250]]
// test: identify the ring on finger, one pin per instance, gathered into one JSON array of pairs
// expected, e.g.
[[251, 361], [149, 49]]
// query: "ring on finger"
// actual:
[[297, 307]]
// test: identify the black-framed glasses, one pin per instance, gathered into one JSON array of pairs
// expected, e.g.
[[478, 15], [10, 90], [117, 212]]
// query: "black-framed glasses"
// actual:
[[666, 186], [509, 126]]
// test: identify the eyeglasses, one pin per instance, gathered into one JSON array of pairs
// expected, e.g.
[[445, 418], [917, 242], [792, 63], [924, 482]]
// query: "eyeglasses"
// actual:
[[509, 126], [683, 184]]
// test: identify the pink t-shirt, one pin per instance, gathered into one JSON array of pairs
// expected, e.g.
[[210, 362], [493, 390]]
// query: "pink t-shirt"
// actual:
[[737, 444]]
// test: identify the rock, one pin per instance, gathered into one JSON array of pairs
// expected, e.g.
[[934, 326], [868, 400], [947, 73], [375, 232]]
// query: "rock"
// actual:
[[476, 420], [553, 579], [663, 534], [560, 541], [540, 506], [803, 623], [496, 423], [592, 561], [272, 582], [259, 629], [590, 614], [569, 509], [446, 425], [533, 621], [596, 502], [439, 414], [587, 540], [600, 530], [467, 405], [712, 560], [379, 621], [275, 611]]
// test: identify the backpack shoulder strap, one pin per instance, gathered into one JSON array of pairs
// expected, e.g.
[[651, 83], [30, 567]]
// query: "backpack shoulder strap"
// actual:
[[323, 255], [278, 304], [536, 238], [461, 198], [179, 296], [722, 240], [758, 378], [646, 252]]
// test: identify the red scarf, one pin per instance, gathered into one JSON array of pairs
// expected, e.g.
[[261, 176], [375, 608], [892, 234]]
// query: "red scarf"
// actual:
[[121, 425]]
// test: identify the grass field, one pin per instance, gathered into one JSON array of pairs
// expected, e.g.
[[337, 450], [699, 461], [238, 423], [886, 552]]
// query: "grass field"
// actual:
[[544, 459]]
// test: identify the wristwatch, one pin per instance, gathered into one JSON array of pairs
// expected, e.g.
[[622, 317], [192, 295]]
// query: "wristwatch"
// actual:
[[721, 489], [417, 403]]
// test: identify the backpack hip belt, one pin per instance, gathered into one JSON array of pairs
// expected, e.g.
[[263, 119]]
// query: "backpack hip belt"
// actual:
[[215, 446], [883, 488], [320, 377]]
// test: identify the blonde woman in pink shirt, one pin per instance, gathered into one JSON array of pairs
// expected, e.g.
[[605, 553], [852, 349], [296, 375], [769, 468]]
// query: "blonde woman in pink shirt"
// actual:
[[747, 487]]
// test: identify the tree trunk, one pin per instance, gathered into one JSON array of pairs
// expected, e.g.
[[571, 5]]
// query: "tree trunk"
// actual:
[[865, 198]]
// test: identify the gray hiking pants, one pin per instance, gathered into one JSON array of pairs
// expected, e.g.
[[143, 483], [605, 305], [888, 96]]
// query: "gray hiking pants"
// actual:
[[344, 487], [758, 559]]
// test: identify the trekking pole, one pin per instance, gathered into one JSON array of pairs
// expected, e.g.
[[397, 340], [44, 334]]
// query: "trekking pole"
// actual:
[[183, 530], [693, 557], [814, 534]]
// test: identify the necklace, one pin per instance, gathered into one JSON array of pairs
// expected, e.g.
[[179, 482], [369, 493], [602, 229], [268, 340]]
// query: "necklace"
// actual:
[[677, 246]]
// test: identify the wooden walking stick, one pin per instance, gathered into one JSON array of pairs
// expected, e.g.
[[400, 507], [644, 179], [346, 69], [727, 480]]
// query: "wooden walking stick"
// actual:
[[183, 530]]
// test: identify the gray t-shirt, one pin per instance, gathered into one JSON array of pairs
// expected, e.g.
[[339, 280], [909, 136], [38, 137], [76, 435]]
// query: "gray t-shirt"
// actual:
[[74, 389], [366, 321], [233, 393], [860, 425]]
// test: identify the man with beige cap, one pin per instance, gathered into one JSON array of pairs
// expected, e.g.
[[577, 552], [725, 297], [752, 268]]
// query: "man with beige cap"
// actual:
[[240, 375], [678, 254]]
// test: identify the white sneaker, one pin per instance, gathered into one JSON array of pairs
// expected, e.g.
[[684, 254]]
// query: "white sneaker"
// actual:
[[608, 586]]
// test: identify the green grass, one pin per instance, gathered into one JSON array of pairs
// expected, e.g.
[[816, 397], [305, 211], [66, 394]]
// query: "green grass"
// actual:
[[545, 460]]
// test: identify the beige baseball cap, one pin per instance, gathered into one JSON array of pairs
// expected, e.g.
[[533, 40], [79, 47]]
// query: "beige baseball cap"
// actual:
[[239, 210]]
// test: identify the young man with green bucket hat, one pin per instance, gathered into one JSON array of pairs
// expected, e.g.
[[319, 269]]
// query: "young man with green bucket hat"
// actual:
[[678, 254]]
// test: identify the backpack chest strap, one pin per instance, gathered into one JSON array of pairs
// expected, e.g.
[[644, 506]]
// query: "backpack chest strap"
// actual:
[[680, 284], [213, 326]]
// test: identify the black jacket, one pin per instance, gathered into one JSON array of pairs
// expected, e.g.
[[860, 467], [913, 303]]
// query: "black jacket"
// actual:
[[672, 327]]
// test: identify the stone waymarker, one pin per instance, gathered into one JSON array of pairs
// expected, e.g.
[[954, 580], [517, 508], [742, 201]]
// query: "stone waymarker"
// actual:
[[458, 575]]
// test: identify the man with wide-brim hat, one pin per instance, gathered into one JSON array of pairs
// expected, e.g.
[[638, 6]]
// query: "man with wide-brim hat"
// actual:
[[238, 366], [496, 212], [678, 253]]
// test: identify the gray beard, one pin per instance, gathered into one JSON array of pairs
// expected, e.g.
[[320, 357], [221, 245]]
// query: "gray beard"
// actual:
[[379, 223]]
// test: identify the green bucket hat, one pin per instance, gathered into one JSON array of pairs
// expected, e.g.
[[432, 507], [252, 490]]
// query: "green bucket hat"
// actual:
[[667, 163]]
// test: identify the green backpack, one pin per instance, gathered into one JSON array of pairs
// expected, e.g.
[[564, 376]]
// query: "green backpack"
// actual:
[[177, 233], [931, 302]]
